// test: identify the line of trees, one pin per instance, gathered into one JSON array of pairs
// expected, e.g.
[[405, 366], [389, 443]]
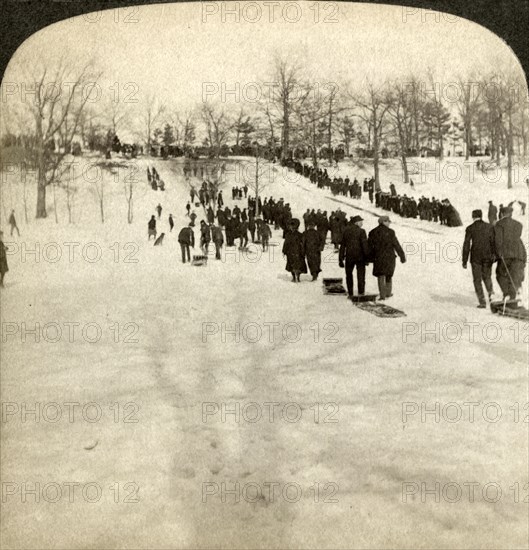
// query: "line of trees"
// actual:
[[298, 117]]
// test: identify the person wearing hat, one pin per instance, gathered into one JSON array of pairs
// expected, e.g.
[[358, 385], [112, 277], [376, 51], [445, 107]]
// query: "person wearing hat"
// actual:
[[293, 250], [383, 244], [312, 247], [354, 250], [479, 245], [3, 260], [511, 254]]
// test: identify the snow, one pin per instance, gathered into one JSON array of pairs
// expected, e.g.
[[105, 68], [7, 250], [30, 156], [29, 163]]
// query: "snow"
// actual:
[[184, 358]]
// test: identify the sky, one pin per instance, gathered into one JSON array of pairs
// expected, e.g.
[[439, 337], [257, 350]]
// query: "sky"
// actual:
[[177, 51]]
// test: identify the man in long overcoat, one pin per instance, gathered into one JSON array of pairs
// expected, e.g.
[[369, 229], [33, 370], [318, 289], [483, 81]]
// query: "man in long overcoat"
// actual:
[[312, 248], [384, 247]]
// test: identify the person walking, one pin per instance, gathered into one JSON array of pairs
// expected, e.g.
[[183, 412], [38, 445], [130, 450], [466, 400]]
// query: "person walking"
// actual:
[[492, 213], [3, 260], [186, 238], [218, 240], [384, 248], [293, 250], [151, 227], [205, 236], [312, 249], [355, 251], [479, 246], [511, 254], [13, 223]]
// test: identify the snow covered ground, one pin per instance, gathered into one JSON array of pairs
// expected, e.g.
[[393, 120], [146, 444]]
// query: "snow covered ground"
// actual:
[[381, 430]]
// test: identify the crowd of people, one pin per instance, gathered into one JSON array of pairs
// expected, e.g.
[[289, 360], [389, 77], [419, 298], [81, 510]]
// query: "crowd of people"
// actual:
[[236, 225], [433, 209]]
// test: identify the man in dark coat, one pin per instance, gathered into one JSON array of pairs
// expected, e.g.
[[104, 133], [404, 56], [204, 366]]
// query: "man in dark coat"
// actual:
[[383, 244], [479, 245], [264, 233], [210, 215], [218, 239], [355, 250], [205, 236], [3, 260], [312, 248], [171, 221], [243, 234], [186, 238], [151, 227], [13, 223], [293, 250], [510, 252], [493, 213]]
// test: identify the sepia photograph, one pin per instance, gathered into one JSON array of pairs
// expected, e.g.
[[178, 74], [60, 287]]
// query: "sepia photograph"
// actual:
[[263, 279]]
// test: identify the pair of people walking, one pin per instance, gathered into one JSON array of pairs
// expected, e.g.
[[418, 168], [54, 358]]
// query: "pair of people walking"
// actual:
[[381, 248]]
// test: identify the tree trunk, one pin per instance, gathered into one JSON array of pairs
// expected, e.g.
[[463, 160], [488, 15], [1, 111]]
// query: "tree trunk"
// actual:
[[286, 130], [467, 142], [41, 200], [405, 169], [41, 182]]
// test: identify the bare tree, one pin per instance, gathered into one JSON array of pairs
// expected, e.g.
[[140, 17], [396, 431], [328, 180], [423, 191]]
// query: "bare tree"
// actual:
[[468, 104], [152, 112], [218, 125], [56, 117], [286, 78], [400, 111], [117, 114], [373, 107]]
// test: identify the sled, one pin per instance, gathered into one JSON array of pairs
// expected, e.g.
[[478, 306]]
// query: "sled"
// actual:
[[363, 298], [510, 308], [333, 286], [380, 310], [199, 260], [197, 204]]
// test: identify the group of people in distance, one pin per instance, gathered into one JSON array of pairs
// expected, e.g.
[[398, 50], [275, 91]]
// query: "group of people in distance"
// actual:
[[154, 179], [434, 210]]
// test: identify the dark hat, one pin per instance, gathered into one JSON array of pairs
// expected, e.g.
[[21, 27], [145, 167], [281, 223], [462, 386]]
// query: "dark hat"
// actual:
[[294, 222], [507, 210], [383, 219], [477, 214], [357, 219]]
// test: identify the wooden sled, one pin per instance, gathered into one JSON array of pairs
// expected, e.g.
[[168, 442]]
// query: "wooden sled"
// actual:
[[364, 298], [511, 308], [380, 310], [199, 260], [333, 286]]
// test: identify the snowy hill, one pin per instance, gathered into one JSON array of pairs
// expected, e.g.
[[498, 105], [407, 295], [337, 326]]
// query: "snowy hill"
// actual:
[[177, 347]]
